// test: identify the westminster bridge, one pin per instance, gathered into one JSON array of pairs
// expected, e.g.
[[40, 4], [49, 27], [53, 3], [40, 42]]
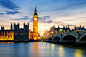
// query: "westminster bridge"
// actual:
[[70, 37]]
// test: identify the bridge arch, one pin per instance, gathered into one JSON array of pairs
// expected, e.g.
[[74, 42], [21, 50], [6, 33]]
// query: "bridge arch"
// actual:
[[70, 35], [56, 38], [82, 39], [69, 38], [50, 38]]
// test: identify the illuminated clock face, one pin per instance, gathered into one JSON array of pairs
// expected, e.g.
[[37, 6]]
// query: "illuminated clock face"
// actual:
[[35, 19]]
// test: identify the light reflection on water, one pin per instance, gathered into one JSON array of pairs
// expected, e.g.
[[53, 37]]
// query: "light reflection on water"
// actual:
[[35, 49], [78, 53], [39, 49], [61, 51]]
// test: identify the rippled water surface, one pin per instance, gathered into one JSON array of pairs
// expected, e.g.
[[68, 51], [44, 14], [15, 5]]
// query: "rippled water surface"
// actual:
[[39, 49]]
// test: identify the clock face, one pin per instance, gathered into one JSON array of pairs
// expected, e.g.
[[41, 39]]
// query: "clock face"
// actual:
[[35, 19]]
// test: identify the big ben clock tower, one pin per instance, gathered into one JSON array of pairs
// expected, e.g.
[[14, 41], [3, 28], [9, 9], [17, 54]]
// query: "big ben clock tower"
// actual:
[[35, 25]]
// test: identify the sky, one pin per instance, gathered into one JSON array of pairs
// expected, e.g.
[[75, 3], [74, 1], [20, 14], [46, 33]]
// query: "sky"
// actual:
[[50, 12]]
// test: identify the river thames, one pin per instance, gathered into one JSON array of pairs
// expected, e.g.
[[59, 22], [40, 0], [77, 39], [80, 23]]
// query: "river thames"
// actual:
[[40, 49]]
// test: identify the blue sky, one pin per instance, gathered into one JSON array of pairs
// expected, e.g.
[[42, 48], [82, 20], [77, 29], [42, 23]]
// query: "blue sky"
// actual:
[[50, 12]]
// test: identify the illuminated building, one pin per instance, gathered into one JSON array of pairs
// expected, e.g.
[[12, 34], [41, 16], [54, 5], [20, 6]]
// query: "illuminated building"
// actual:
[[6, 34], [21, 34], [34, 35], [35, 25], [18, 34], [31, 35]]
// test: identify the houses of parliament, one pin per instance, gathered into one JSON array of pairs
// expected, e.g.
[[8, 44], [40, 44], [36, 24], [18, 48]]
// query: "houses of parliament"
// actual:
[[21, 34]]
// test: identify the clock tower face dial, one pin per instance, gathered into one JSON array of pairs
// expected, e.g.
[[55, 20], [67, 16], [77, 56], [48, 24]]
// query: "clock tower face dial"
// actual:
[[35, 19]]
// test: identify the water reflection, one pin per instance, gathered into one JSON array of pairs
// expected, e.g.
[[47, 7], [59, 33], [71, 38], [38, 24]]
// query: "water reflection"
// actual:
[[61, 51], [35, 49], [53, 52], [78, 53], [6, 42], [47, 45], [39, 49], [52, 46]]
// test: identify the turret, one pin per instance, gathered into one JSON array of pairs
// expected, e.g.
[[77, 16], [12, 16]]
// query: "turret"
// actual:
[[18, 24], [68, 26], [2, 28], [80, 26], [63, 26], [58, 26], [11, 26], [28, 25], [24, 23]]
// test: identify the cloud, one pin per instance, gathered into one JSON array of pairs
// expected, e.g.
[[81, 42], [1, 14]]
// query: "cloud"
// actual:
[[25, 18], [49, 21], [46, 16], [1, 25], [9, 5], [11, 12], [71, 19], [74, 4], [43, 18], [2, 13]]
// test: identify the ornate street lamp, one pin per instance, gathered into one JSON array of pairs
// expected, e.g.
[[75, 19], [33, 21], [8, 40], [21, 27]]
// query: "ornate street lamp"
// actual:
[[78, 34], [60, 34], [77, 29], [52, 32], [56, 32], [60, 31]]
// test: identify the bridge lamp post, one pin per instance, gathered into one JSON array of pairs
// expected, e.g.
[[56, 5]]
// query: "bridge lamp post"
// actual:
[[56, 32], [47, 35], [60, 31], [60, 34], [77, 40], [52, 33], [64, 31]]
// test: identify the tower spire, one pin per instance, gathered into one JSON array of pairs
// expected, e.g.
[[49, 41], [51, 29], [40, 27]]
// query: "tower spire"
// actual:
[[35, 8], [35, 12]]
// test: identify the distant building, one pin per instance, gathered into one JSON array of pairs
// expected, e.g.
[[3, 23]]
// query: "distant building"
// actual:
[[21, 34], [79, 28], [58, 30]]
